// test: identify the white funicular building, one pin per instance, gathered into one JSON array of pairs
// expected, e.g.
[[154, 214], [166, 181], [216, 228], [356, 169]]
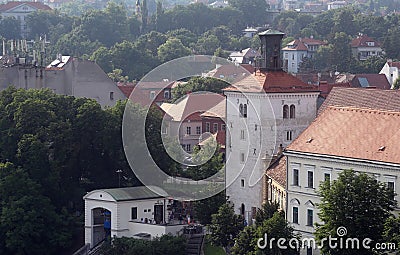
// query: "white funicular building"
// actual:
[[131, 212], [264, 110], [361, 139], [391, 71]]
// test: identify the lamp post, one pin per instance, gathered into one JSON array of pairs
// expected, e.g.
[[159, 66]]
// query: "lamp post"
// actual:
[[119, 171]]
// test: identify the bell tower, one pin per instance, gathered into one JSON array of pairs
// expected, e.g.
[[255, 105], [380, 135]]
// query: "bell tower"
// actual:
[[271, 41]]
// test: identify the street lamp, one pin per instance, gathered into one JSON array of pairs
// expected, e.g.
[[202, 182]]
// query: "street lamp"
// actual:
[[119, 171]]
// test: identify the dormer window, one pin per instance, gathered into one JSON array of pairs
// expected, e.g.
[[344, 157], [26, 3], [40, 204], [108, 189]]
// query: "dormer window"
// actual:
[[371, 43]]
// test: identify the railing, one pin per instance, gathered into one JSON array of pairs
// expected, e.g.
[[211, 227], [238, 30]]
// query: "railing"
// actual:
[[83, 250]]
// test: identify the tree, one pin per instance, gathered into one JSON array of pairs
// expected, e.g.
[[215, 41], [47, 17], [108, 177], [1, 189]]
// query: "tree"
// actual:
[[277, 227], [246, 242], [225, 226], [273, 228], [172, 49], [205, 208], [199, 84], [266, 212], [254, 11], [396, 84], [392, 231], [10, 28], [354, 201]]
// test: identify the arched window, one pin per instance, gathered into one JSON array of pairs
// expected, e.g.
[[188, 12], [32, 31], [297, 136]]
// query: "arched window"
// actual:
[[242, 210], [245, 111], [285, 111], [241, 110], [292, 111]]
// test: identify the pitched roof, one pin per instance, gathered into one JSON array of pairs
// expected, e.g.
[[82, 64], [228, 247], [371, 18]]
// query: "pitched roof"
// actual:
[[193, 103], [277, 170], [13, 4], [126, 89], [394, 64], [327, 87], [296, 45], [371, 80], [302, 44], [361, 41], [133, 193], [363, 98], [364, 134], [272, 82], [218, 111], [231, 73]]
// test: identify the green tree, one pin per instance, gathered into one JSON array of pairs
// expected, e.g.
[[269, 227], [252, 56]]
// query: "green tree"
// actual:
[[392, 231], [225, 226], [10, 28], [199, 84], [353, 201], [266, 212], [205, 208], [396, 84], [246, 242], [254, 11], [172, 49], [277, 227]]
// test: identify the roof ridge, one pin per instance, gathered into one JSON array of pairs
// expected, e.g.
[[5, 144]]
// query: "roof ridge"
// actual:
[[363, 109]]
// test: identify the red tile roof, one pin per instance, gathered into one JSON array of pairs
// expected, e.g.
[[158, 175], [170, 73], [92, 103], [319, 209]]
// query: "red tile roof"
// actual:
[[231, 73], [218, 111], [363, 98], [373, 80], [326, 88], [13, 4], [126, 89], [361, 41], [272, 82], [364, 134], [394, 64], [192, 103], [296, 45], [277, 171]]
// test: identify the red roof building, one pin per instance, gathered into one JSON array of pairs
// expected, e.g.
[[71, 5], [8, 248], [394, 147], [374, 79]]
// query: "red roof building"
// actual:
[[363, 47]]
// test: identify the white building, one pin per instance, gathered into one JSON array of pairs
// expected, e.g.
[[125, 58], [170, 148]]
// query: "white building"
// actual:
[[391, 71], [336, 5], [361, 139], [186, 122], [133, 212], [20, 10], [246, 56], [364, 47], [264, 110], [299, 50]]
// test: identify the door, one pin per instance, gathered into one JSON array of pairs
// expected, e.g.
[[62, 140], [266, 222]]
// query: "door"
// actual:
[[159, 214]]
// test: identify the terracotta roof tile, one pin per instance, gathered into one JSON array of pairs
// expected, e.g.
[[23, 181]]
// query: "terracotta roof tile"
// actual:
[[394, 64], [218, 111], [272, 82], [363, 98], [277, 170], [361, 41], [364, 134], [371, 80]]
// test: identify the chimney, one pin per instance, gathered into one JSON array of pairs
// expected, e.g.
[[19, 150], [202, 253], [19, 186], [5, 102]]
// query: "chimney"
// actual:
[[280, 150], [271, 41]]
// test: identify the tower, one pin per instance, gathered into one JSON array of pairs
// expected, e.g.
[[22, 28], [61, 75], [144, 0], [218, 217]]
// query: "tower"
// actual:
[[271, 41]]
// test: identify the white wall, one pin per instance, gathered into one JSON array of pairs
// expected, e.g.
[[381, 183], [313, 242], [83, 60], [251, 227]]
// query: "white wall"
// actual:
[[265, 111], [301, 195], [121, 223]]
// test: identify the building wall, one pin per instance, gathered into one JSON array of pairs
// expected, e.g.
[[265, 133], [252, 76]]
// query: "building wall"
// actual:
[[305, 198], [370, 51], [293, 58], [121, 215], [264, 130], [193, 138], [391, 73], [79, 78]]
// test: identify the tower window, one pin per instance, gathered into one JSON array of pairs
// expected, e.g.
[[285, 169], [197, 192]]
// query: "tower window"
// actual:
[[285, 111], [292, 111]]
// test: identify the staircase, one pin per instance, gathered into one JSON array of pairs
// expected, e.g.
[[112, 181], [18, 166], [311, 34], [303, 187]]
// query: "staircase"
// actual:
[[195, 244]]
